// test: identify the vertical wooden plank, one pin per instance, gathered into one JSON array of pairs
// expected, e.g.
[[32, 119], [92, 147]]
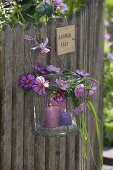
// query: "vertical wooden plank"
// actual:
[[28, 147], [51, 159], [93, 49], [95, 74], [18, 99], [42, 153], [66, 60], [99, 61], [62, 153], [78, 18], [53, 153], [52, 162], [71, 152], [51, 31], [41, 33], [81, 39], [6, 59], [77, 151], [39, 153], [57, 154], [80, 65], [87, 28], [72, 148], [90, 65], [78, 54]]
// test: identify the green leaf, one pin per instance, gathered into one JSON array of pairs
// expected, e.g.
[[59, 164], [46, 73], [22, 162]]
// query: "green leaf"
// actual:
[[92, 108], [85, 138], [97, 122]]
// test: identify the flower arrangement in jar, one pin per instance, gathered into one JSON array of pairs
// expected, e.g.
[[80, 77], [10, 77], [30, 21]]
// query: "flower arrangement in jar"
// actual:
[[66, 96], [59, 85]]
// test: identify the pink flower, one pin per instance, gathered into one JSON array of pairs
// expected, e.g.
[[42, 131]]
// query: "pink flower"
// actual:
[[80, 108], [26, 80], [106, 36], [59, 97], [52, 68], [79, 90], [40, 85], [41, 47], [110, 56], [60, 4], [82, 73], [62, 84], [92, 89], [41, 69]]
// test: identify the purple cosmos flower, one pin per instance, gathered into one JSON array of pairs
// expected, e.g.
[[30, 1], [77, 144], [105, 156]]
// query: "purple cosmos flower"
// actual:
[[110, 56], [59, 97], [106, 36], [80, 108], [52, 68], [82, 73], [79, 90], [40, 84], [93, 89], [60, 4], [62, 84], [26, 80], [40, 68], [41, 47]]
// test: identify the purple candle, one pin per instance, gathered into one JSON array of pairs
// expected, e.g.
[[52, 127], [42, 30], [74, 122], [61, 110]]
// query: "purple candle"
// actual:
[[65, 118], [61, 105], [51, 117]]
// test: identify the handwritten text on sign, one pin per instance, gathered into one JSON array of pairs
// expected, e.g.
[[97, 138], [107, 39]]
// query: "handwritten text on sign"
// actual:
[[65, 39]]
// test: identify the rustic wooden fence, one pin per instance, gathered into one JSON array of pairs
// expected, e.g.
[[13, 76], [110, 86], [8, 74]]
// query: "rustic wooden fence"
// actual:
[[19, 148]]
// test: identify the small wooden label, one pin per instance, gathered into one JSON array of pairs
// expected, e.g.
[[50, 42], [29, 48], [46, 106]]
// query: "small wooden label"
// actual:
[[65, 39]]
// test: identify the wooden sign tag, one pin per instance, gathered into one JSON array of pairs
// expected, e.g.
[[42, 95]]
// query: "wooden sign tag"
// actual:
[[65, 37]]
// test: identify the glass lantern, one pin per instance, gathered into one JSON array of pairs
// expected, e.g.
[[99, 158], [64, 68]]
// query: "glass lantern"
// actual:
[[53, 117]]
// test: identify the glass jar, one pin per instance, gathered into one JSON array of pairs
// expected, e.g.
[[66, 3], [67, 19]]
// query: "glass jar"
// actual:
[[53, 117]]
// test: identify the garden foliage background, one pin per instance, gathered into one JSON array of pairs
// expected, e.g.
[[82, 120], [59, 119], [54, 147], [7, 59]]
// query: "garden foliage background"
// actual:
[[33, 11], [108, 75]]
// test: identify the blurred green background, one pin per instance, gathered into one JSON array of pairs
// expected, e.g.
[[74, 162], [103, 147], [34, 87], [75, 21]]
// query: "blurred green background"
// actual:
[[108, 76]]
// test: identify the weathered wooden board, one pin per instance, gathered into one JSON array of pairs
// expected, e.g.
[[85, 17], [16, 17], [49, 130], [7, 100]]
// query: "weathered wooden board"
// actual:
[[6, 78], [28, 138], [18, 98]]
